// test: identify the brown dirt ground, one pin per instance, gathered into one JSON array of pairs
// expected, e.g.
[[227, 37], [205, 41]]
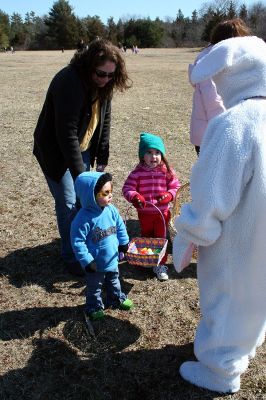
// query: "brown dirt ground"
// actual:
[[46, 351]]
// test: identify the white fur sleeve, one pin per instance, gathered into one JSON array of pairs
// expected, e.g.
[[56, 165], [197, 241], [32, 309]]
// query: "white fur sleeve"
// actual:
[[218, 179], [182, 253]]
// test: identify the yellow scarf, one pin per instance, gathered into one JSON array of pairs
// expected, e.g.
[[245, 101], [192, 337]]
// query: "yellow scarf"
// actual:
[[95, 117]]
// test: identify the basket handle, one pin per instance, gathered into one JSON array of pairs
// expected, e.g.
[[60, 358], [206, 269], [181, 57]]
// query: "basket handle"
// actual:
[[176, 205], [157, 208]]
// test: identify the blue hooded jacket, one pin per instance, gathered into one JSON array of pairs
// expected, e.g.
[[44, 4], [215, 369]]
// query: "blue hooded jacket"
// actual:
[[96, 232]]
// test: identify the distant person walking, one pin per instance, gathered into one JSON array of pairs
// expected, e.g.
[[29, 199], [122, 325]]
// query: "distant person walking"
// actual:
[[81, 45]]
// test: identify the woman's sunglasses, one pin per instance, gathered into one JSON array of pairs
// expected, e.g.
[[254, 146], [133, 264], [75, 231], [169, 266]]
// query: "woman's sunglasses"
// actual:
[[103, 74]]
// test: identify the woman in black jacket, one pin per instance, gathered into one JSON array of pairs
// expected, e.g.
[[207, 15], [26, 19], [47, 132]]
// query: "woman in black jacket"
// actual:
[[73, 129]]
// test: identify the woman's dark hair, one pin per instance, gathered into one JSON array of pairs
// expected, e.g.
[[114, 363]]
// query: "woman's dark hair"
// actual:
[[98, 53], [229, 29]]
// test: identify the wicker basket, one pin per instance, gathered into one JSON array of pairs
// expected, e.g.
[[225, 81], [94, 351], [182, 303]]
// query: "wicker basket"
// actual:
[[182, 196], [147, 260]]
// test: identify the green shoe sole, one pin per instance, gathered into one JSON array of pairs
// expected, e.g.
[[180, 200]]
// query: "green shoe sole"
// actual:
[[96, 315], [126, 305]]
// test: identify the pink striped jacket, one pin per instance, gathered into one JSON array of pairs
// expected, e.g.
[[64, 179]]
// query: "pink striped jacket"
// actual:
[[150, 183]]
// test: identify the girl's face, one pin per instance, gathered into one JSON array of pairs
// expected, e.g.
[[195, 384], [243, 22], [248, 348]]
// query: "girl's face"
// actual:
[[104, 73], [152, 158], [104, 197]]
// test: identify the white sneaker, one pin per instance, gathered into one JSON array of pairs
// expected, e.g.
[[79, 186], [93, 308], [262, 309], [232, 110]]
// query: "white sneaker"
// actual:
[[160, 271]]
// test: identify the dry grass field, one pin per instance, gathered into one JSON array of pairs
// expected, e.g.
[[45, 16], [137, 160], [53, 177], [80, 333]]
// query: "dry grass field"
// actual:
[[46, 351]]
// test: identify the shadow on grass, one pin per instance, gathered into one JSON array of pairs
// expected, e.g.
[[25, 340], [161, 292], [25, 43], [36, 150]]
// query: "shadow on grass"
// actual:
[[20, 324], [133, 228], [188, 272], [57, 371], [129, 271], [136, 272], [41, 265]]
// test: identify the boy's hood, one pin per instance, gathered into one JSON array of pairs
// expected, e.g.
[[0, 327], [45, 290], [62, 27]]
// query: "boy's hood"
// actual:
[[238, 68], [84, 187]]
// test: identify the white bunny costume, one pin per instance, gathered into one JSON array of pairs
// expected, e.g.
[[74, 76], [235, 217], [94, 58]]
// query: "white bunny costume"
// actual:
[[227, 218]]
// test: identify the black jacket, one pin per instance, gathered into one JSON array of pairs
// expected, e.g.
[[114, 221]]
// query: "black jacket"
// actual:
[[63, 122]]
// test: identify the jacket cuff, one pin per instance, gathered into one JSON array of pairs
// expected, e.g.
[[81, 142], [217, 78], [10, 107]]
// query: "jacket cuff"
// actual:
[[86, 260]]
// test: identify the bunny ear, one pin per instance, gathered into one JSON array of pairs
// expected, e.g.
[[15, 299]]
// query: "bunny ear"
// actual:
[[219, 58]]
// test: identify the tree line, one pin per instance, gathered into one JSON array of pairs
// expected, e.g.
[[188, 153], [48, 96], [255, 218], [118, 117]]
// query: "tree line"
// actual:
[[62, 29]]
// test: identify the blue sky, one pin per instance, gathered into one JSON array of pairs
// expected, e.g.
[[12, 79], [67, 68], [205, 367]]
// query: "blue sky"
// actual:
[[115, 8]]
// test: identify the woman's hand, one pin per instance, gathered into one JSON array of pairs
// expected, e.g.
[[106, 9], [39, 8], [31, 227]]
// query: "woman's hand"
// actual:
[[100, 168]]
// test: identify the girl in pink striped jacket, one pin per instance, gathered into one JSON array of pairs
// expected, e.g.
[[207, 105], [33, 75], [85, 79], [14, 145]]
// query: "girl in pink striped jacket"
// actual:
[[152, 181]]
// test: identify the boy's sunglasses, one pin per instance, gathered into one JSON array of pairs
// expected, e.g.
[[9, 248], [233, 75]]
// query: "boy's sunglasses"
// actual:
[[103, 74], [105, 193]]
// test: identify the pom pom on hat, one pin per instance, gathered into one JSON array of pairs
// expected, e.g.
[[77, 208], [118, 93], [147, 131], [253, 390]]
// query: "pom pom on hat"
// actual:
[[150, 141]]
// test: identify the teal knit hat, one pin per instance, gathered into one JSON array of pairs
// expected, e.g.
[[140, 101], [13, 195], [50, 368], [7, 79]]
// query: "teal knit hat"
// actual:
[[150, 141]]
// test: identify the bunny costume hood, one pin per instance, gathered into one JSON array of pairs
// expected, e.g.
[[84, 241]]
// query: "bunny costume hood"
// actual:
[[237, 67], [226, 218], [207, 103]]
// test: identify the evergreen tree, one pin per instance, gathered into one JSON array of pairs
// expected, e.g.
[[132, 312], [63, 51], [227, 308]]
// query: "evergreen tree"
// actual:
[[29, 27], [112, 31], [243, 12], [94, 27], [82, 34], [62, 29], [186, 31], [17, 31], [194, 17], [211, 19], [231, 11], [180, 16], [193, 29], [257, 17], [4, 30], [143, 32], [38, 33], [62, 26], [120, 28]]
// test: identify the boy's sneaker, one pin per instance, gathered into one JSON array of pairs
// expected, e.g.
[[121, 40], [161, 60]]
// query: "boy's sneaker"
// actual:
[[96, 315], [126, 305], [161, 272]]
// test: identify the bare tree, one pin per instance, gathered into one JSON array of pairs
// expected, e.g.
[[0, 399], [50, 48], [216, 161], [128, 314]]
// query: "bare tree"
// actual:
[[257, 18]]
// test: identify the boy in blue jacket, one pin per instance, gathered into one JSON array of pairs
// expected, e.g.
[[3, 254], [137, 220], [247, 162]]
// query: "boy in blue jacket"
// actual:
[[98, 234]]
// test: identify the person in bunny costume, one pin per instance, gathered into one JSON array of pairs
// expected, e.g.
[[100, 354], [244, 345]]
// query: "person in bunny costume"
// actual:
[[226, 218]]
